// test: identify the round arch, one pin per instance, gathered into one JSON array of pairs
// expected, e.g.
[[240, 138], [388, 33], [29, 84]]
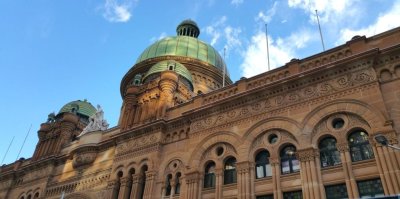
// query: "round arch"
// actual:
[[208, 141], [283, 124], [370, 114]]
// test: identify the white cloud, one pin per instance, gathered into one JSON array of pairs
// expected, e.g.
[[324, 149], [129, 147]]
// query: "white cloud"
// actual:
[[213, 31], [161, 36], [329, 11], [267, 17], [281, 51], [232, 37], [115, 11], [236, 2], [220, 31], [385, 21]]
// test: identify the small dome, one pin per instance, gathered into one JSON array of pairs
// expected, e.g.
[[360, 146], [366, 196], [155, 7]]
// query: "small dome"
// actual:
[[84, 108], [188, 28], [170, 65]]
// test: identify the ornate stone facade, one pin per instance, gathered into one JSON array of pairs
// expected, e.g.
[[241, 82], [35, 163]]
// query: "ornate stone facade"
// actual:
[[305, 129]]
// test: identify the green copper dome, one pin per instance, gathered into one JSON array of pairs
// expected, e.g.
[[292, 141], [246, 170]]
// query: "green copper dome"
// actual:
[[185, 46], [170, 65], [78, 106]]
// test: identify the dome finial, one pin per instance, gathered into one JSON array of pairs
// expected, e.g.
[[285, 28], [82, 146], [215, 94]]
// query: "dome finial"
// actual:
[[188, 28]]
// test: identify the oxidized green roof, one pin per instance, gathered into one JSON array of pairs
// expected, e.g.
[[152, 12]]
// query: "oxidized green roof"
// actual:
[[84, 108], [164, 65], [183, 46]]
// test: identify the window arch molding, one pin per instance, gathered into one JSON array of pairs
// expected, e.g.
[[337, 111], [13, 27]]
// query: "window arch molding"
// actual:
[[261, 142], [199, 155]]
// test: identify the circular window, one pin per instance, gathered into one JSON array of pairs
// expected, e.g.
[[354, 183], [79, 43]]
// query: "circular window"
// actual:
[[175, 165], [272, 138], [337, 123], [220, 151]]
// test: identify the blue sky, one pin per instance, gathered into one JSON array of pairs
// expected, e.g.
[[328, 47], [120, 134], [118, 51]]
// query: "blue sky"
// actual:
[[54, 52]]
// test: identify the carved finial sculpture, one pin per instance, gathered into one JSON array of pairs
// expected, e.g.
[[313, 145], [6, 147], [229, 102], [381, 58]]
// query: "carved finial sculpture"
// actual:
[[51, 117], [96, 122]]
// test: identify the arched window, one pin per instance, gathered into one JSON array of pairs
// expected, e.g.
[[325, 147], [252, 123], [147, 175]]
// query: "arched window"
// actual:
[[263, 168], [168, 185], [178, 183], [29, 196], [289, 162], [328, 152], [36, 195], [209, 175], [230, 171], [360, 149]]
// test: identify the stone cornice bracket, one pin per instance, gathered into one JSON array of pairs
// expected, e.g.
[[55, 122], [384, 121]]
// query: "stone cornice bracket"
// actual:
[[308, 154]]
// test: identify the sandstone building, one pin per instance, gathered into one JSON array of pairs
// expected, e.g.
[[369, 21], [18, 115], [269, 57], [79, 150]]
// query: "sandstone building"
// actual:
[[304, 130]]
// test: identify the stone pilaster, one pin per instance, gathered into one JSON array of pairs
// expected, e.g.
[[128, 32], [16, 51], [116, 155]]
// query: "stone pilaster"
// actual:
[[192, 184], [244, 180], [352, 189], [308, 173], [125, 187], [135, 185], [387, 163], [149, 185]]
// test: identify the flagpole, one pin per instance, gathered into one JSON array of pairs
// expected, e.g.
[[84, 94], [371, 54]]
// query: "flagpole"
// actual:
[[5, 155], [23, 143], [224, 70], [266, 36], [320, 32]]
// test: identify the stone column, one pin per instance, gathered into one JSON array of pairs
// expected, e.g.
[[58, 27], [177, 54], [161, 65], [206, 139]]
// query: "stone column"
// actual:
[[219, 181], [319, 176], [125, 187], [148, 191], [387, 164], [192, 185], [173, 184], [352, 189], [276, 182], [112, 189], [243, 180], [135, 185], [163, 191], [168, 84], [308, 173]]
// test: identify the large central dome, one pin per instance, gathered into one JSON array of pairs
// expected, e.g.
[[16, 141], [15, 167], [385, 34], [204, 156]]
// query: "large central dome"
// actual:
[[185, 44], [197, 63]]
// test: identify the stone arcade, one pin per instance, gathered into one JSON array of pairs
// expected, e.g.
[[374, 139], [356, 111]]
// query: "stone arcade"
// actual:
[[303, 130]]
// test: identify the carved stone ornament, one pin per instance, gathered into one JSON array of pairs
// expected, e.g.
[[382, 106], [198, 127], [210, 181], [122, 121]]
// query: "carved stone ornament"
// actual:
[[85, 157], [96, 122]]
